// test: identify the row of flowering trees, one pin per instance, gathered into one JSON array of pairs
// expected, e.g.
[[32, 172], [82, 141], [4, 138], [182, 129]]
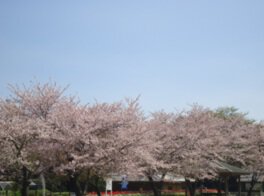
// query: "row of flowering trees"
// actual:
[[43, 130]]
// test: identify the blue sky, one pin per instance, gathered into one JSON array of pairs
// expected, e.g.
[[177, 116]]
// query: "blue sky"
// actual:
[[172, 53]]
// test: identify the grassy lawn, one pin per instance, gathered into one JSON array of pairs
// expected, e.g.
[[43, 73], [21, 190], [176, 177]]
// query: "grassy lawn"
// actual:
[[49, 193], [33, 193]]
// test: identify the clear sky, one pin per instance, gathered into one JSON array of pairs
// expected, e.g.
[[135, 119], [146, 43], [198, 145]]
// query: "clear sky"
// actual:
[[172, 53]]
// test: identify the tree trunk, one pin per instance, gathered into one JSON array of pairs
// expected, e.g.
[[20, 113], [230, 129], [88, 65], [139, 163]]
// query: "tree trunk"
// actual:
[[191, 187], [186, 189], [95, 185], [155, 190], [254, 180], [161, 183], [84, 191], [219, 191], [226, 186], [239, 186], [43, 184], [25, 183], [98, 192], [74, 185], [250, 191]]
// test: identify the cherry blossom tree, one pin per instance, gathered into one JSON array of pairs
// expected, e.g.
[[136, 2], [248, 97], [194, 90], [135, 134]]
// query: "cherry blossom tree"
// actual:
[[149, 155], [43, 130], [199, 126], [225, 140], [251, 151], [39, 120], [96, 137], [23, 123], [172, 140], [192, 143]]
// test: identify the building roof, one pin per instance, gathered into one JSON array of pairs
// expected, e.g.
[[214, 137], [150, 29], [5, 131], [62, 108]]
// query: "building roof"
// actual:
[[231, 170], [224, 169]]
